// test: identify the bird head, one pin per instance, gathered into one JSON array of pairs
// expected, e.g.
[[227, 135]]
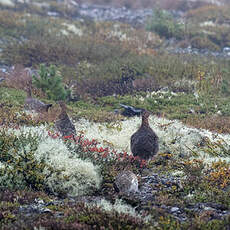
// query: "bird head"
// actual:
[[145, 113]]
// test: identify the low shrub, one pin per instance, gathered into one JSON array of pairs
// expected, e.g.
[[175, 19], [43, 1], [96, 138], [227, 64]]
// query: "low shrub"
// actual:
[[10, 20], [165, 25], [220, 124], [62, 9], [104, 156], [203, 42], [18, 77], [58, 49], [113, 77], [30, 159], [19, 168], [209, 12]]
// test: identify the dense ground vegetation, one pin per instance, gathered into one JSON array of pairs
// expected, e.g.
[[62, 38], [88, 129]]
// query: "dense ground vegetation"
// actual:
[[67, 183]]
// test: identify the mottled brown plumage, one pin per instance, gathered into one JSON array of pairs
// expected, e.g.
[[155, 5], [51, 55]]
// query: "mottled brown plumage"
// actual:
[[144, 142], [64, 124], [35, 104], [125, 182]]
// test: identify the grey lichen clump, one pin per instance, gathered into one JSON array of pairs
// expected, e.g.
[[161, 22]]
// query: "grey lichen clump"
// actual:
[[64, 125], [35, 104], [144, 142]]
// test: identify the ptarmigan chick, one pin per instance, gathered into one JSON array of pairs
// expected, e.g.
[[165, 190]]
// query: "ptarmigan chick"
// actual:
[[35, 104]]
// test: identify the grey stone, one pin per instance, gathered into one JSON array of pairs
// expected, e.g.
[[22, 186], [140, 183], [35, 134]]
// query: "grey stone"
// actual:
[[174, 209]]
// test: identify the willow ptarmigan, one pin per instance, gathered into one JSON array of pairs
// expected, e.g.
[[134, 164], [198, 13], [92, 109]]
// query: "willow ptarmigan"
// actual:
[[35, 104], [144, 142], [64, 124]]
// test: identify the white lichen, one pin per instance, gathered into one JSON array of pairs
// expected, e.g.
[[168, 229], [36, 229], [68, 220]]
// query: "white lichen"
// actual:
[[72, 28], [71, 175], [7, 3], [174, 136], [76, 177], [121, 207]]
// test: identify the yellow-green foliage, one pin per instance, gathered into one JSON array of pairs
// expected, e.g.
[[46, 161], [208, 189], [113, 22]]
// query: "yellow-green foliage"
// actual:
[[165, 25], [50, 82], [18, 166], [32, 159], [219, 175]]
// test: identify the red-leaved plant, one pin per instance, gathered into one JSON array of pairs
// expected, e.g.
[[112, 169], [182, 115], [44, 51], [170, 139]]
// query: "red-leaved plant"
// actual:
[[91, 149]]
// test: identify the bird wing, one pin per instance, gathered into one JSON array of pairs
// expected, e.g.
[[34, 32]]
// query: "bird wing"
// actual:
[[131, 109], [126, 106], [137, 110]]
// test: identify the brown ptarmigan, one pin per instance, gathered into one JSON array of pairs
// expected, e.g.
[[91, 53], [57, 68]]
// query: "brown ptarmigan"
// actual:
[[64, 124], [35, 104], [144, 142]]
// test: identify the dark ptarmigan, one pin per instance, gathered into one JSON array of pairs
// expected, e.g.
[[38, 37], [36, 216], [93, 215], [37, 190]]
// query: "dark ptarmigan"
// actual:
[[144, 142], [64, 124], [35, 104]]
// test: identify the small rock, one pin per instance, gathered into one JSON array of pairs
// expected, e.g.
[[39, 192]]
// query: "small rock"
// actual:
[[226, 49], [52, 14], [208, 209], [174, 209], [192, 111]]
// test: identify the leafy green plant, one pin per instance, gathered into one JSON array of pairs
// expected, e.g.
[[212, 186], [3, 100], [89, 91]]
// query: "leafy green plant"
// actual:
[[50, 82], [163, 23], [19, 168]]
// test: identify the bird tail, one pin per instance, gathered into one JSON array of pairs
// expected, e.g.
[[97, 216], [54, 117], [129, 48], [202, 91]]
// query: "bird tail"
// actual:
[[124, 106], [48, 106], [28, 91]]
